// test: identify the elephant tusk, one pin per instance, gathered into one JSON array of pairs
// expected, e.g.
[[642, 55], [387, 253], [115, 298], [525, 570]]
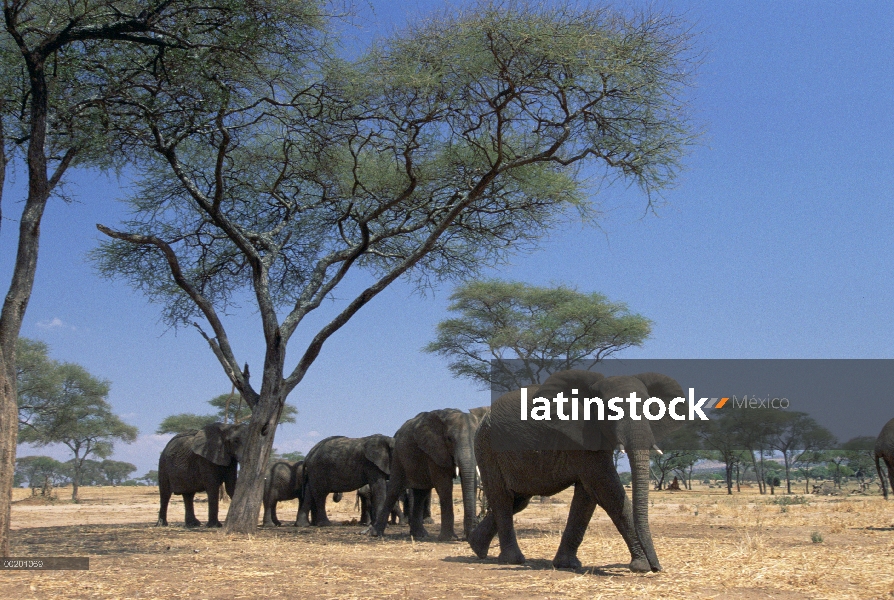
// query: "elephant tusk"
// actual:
[[657, 449], [621, 449]]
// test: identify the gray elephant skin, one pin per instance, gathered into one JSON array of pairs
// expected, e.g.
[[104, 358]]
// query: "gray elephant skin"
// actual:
[[511, 478], [427, 451], [200, 461], [397, 515], [343, 464], [284, 481], [884, 450]]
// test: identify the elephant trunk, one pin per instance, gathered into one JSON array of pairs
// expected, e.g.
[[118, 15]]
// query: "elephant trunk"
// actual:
[[469, 480], [639, 468]]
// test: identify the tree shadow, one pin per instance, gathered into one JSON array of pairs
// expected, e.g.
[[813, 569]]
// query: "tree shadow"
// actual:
[[541, 564]]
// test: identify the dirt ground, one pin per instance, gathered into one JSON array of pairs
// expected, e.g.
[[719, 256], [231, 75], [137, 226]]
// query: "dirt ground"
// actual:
[[711, 546]]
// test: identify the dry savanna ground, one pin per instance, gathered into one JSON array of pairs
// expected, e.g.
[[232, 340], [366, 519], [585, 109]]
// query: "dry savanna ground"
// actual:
[[711, 546]]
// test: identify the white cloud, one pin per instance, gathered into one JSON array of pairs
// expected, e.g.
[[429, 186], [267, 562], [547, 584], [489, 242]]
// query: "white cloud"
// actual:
[[54, 323]]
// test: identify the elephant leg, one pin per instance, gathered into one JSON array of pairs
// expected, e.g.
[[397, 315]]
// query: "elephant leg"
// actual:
[[503, 506], [164, 492], [365, 517], [191, 520], [417, 529], [319, 509], [426, 509], [445, 498], [378, 490], [396, 484], [609, 493], [397, 516], [305, 503], [483, 535], [213, 506], [582, 506]]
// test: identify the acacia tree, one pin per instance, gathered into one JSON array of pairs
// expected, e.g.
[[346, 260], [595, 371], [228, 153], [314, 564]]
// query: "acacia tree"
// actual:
[[78, 416], [800, 440], [436, 153], [543, 329], [60, 63], [116, 471], [228, 411]]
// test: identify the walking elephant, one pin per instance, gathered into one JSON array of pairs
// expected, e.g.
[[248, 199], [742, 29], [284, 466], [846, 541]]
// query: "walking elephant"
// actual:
[[510, 477], [884, 449], [284, 481], [200, 461], [427, 451], [343, 464]]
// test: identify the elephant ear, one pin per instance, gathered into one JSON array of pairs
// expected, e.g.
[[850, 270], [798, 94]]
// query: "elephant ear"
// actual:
[[666, 388], [431, 435], [208, 443], [378, 451]]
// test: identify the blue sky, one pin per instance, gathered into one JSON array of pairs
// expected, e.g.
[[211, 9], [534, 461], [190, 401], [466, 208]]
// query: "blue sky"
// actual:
[[776, 242]]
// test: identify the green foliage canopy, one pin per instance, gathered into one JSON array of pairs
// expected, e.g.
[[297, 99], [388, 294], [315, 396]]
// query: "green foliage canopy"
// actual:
[[69, 407], [229, 410], [546, 329]]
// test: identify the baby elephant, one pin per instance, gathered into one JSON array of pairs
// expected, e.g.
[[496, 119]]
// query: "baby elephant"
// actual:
[[283, 482]]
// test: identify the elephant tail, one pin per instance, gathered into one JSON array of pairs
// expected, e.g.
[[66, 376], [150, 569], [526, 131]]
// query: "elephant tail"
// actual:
[[881, 478], [337, 496], [357, 502]]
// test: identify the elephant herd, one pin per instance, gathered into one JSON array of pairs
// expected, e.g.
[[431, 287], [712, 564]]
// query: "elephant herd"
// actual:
[[430, 449]]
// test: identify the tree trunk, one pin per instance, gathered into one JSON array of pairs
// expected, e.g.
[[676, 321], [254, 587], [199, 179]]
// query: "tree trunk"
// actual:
[[9, 426], [788, 478], [20, 287], [245, 506]]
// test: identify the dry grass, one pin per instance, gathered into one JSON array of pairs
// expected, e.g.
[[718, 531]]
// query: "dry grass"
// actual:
[[710, 545]]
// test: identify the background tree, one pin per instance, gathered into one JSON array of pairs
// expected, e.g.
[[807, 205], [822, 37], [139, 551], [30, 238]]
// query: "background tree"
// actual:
[[184, 422], [800, 439], [230, 410], [60, 63], [860, 453], [39, 472], [117, 472], [89, 471], [38, 378], [430, 157], [544, 329], [754, 430], [78, 416], [150, 478], [720, 442]]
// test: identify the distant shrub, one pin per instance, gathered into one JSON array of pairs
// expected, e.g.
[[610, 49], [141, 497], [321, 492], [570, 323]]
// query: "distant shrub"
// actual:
[[816, 537], [788, 500]]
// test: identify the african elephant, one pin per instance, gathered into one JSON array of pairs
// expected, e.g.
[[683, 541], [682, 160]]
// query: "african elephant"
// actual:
[[427, 450], [343, 464], [199, 461], [398, 514], [884, 449], [511, 477], [283, 481]]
